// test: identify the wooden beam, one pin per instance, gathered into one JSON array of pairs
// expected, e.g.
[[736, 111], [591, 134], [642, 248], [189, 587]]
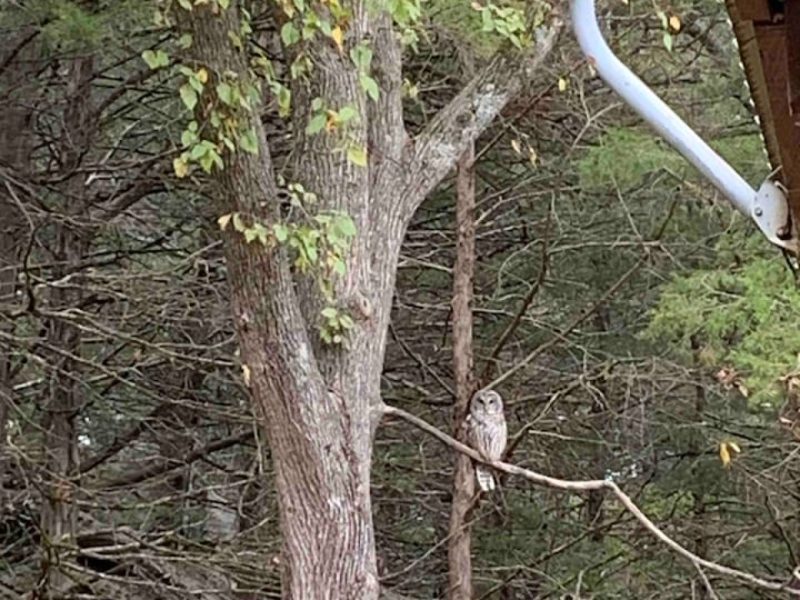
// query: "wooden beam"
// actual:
[[754, 10], [792, 11], [772, 45], [754, 71]]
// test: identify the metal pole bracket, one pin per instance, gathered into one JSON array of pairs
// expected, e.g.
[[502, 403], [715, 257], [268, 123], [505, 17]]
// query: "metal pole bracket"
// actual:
[[771, 214]]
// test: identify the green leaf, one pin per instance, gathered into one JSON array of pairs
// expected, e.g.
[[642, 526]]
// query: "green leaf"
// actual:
[[345, 224], [235, 40], [289, 34], [668, 41], [228, 143], [339, 267], [225, 93], [261, 233], [329, 312], [248, 141], [316, 124], [211, 158], [185, 4], [347, 113], [361, 56], [189, 96], [250, 235], [284, 101], [357, 155], [224, 4], [188, 138], [185, 41], [281, 232], [196, 83], [199, 150], [370, 86], [488, 20], [155, 60]]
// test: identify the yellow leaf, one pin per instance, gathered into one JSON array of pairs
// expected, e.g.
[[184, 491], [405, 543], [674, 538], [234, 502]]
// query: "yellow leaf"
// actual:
[[202, 75], [338, 37], [331, 120], [532, 156], [224, 220], [516, 146], [735, 447], [724, 454], [181, 167], [246, 374], [675, 22], [562, 84]]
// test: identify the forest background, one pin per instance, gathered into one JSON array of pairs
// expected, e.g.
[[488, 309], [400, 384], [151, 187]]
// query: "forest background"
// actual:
[[640, 329]]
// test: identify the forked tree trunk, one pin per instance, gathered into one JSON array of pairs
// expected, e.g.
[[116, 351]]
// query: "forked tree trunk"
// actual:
[[322, 403]]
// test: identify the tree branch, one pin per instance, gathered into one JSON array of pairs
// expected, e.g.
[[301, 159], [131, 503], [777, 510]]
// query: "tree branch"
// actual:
[[596, 484], [168, 465], [470, 113]]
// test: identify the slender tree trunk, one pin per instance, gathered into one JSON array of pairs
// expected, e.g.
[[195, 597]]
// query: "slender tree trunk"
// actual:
[[17, 53], [459, 545], [698, 497], [63, 403]]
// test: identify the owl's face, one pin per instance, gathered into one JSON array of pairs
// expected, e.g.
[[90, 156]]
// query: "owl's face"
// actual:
[[486, 402]]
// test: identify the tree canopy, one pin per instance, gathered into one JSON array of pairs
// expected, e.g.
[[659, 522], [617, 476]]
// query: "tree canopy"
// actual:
[[256, 257]]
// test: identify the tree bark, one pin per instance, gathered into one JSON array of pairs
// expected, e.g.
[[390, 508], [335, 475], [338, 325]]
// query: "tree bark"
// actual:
[[63, 403], [321, 403], [17, 52], [459, 544]]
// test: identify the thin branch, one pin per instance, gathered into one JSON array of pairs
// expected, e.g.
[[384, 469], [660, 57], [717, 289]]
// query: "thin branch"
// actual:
[[575, 322], [595, 484], [526, 303], [166, 466]]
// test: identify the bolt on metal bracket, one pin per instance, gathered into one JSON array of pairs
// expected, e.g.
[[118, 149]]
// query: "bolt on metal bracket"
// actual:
[[768, 207]]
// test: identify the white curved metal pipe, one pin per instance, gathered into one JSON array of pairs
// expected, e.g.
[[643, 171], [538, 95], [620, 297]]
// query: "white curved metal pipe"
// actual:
[[653, 110]]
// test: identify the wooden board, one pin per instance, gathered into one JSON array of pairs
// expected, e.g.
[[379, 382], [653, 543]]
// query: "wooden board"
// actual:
[[772, 45], [754, 10]]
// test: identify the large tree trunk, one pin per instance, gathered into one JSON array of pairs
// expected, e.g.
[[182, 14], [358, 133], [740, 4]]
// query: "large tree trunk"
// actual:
[[321, 403]]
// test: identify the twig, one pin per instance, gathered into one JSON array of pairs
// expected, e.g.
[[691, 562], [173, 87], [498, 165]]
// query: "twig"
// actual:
[[575, 322]]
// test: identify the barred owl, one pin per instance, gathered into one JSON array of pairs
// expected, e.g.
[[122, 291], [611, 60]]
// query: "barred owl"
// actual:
[[487, 432]]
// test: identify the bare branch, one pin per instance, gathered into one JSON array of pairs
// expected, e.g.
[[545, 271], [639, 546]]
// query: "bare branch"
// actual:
[[168, 465], [596, 484]]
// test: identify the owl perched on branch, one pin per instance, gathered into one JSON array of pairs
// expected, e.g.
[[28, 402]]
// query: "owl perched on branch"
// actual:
[[486, 425]]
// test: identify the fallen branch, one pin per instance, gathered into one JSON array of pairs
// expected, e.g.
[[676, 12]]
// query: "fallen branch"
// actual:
[[596, 484]]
